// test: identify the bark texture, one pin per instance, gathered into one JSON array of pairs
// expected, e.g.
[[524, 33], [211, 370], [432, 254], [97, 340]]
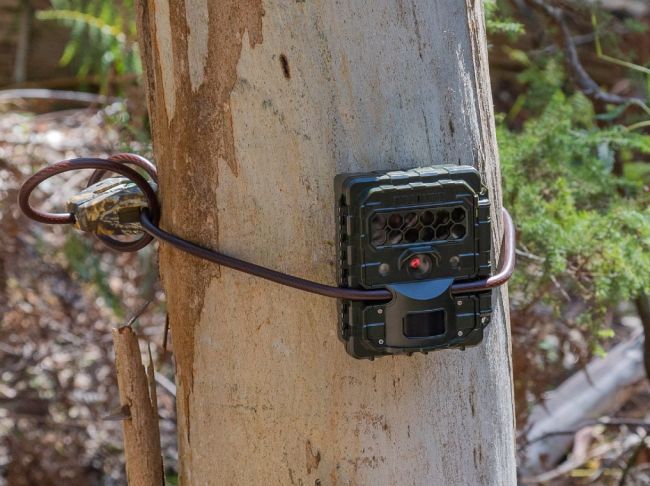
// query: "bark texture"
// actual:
[[139, 404], [255, 106]]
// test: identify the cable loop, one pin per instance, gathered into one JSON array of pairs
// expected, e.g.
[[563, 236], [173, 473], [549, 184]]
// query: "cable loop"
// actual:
[[149, 219], [101, 165]]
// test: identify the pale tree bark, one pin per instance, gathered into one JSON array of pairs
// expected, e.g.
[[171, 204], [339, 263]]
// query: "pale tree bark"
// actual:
[[255, 106]]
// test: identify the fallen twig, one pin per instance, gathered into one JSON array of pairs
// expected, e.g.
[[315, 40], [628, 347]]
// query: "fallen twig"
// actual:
[[11, 95], [568, 465], [576, 402], [166, 383], [138, 313], [69, 82], [605, 421]]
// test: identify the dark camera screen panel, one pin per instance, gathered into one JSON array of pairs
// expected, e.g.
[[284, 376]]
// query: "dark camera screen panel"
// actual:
[[424, 324]]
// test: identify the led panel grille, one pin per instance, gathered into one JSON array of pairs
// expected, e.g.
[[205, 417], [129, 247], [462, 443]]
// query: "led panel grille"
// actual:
[[423, 226]]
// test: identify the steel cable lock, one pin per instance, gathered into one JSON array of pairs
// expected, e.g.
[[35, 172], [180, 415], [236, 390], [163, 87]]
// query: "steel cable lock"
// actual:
[[414, 248]]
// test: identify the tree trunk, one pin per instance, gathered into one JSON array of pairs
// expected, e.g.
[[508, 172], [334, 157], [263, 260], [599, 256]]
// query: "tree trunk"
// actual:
[[255, 106]]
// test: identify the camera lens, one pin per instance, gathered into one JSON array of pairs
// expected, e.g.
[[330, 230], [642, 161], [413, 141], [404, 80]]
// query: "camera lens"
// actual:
[[419, 266]]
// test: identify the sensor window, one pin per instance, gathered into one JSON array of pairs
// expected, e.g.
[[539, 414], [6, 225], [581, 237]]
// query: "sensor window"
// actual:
[[424, 324], [418, 226]]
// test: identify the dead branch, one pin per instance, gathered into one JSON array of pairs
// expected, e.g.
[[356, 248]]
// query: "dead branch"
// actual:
[[577, 401], [166, 383], [636, 8], [11, 95], [605, 421], [70, 82], [568, 465], [586, 83], [138, 393]]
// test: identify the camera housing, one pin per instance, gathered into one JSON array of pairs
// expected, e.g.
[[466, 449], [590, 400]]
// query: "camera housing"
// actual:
[[415, 233]]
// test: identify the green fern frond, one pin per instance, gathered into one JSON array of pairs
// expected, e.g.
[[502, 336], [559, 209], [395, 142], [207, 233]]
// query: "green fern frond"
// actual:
[[70, 17], [102, 36]]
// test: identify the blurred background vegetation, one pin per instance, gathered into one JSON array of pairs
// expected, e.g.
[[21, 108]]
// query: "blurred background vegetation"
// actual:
[[103, 38], [571, 87]]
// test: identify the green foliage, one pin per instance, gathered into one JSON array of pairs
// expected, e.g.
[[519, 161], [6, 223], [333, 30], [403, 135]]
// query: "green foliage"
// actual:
[[102, 36], [576, 182], [586, 230], [498, 23]]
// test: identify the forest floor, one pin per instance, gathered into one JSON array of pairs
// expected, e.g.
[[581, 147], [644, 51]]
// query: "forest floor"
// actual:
[[61, 292]]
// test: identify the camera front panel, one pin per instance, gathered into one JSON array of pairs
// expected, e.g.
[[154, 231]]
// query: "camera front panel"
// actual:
[[415, 233]]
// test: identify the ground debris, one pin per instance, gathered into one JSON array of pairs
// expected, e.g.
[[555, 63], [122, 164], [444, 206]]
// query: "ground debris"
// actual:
[[61, 292]]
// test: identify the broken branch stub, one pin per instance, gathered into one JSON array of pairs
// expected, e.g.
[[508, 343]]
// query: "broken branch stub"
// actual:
[[141, 430]]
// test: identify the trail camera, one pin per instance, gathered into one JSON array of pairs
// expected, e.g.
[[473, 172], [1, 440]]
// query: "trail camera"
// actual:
[[414, 233]]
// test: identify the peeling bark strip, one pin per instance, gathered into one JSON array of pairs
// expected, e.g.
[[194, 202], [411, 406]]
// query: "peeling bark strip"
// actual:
[[197, 40], [166, 56], [197, 44], [138, 393], [271, 101], [313, 458]]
